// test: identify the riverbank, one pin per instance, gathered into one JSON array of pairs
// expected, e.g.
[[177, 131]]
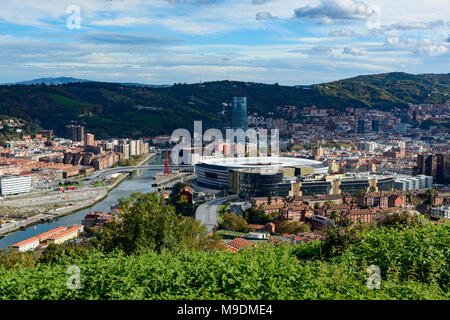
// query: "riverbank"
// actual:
[[65, 211], [125, 175], [164, 180]]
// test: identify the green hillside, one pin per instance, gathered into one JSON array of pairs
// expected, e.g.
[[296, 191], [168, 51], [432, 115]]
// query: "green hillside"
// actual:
[[109, 110], [414, 264]]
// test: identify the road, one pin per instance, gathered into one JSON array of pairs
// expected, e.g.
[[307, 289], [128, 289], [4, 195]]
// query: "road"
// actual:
[[207, 212]]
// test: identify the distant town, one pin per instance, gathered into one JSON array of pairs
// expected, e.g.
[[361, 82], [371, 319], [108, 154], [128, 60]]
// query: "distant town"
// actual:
[[335, 168]]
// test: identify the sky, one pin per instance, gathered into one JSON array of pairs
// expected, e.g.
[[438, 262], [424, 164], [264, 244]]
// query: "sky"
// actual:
[[290, 42]]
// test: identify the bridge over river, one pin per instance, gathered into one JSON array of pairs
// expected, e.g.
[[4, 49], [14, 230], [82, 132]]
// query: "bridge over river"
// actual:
[[110, 171]]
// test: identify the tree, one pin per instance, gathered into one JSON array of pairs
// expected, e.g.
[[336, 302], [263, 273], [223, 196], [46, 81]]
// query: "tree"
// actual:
[[430, 194], [256, 216], [335, 216], [233, 222], [401, 218], [15, 259], [175, 193], [293, 227], [146, 223]]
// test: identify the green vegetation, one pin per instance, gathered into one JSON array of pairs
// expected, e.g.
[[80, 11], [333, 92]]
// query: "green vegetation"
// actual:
[[8, 133], [221, 211], [389, 90], [132, 161], [234, 222], [108, 109], [181, 202], [413, 262], [154, 254], [146, 223], [293, 227], [258, 216]]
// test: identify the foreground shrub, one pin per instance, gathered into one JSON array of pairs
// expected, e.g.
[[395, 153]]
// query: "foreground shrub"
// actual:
[[261, 273], [419, 253], [15, 259]]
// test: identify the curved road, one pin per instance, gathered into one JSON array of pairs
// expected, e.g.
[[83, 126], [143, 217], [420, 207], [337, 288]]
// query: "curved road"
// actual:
[[207, 212]]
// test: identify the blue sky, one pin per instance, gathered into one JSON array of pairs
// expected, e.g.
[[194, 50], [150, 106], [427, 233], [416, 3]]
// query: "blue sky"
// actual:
[[271, 41]]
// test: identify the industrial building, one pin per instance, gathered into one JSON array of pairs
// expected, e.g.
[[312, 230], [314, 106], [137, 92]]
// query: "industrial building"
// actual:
[[34, 242], [66, 235]]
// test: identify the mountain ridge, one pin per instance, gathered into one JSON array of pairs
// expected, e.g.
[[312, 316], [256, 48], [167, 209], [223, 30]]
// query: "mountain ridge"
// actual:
[[109, 109]]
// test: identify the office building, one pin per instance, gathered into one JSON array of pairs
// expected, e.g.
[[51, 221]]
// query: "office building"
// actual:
[[361, 126], [239, 113], [375, 126], [408, 183], [259, 183], [441, 212], [10, 185]]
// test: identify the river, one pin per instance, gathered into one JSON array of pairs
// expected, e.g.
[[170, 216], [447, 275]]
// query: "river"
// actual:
[[138, 181]]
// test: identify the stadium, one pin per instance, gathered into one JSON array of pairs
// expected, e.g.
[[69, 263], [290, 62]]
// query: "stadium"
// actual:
[[214, 172]]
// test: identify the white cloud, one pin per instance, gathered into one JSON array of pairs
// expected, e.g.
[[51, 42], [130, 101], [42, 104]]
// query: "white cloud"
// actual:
[[392, 40], [432, 50], [336, 9], [342, 33], [354, 51], [265, 16], [123, 21]]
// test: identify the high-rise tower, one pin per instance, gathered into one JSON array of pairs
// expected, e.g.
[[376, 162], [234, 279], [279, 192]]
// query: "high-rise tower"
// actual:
[[239, 113]]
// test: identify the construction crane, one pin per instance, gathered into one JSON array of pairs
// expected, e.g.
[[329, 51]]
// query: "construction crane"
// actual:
[[3, 219]]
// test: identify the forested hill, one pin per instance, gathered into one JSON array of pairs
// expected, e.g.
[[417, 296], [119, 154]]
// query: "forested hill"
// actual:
[[117, 110]]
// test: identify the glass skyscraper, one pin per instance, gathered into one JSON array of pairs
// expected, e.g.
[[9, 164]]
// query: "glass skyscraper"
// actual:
[[239, 113]]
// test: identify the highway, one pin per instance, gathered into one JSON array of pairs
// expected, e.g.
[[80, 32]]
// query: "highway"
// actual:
[[207, 212]]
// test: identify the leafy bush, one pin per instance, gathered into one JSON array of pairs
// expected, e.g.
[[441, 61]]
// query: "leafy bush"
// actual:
[[402, 217], [293, 227], [420, 253], [54, 253], [413, 259], [233, 222], [262, 273], [15, 259], [146, 223]]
